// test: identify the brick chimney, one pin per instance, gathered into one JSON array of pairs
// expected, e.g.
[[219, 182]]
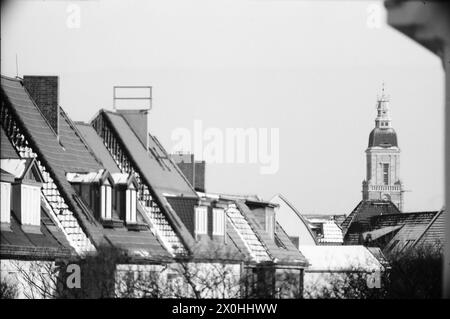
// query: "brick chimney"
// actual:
[[193, 170], [199, 180], [185, 163], [44, 91]]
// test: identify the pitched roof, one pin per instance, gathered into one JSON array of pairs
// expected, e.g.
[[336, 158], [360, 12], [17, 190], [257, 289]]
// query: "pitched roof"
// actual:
[[42, 139], [359, 220], [232, 249], [6, 148], [434, 234], [94, 141], [246, 233], [155, 167], [402, 219], [163, 180], [48, 244], [410, 227], [281, 248], [234, 237], [287, 251], [366, 209], [82, 158], [71, 154], [158, 163]]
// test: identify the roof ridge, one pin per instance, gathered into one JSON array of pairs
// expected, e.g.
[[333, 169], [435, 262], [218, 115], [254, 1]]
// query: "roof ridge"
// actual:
[[16, 79]]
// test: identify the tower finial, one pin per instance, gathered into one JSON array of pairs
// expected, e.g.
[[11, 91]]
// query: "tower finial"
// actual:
[[383, 96]]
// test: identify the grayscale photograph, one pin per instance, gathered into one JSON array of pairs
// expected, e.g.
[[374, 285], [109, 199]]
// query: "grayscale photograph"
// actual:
[[225, 157]]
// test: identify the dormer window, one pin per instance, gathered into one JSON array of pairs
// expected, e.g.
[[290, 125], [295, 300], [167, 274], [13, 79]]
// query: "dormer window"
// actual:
[[112, 197], [201, 220], [270, 222], [96, 190], [25, 192], [218, 222], [6, 179], [106, 201], [126, 188], [131, 198]]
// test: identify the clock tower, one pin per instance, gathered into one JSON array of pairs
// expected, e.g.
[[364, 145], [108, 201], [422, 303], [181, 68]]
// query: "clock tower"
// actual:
[[383, 159]]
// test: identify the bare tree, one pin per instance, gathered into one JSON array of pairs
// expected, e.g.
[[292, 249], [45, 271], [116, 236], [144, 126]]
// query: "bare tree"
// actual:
[[8, 290], [111, 274], [415, 273], [36, 279]]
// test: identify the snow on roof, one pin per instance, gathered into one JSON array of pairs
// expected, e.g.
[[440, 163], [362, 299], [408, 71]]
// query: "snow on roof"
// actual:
[[332, 233], [340, 258], [90, 177], [15, 167]]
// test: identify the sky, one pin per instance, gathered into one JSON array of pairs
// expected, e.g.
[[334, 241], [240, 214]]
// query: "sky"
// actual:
[[311, 69]]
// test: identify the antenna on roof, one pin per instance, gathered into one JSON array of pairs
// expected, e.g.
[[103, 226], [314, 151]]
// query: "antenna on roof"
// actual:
[[17, 67]]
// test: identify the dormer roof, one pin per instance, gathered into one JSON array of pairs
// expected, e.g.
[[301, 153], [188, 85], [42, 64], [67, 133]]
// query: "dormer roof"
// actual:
[[22, 169]]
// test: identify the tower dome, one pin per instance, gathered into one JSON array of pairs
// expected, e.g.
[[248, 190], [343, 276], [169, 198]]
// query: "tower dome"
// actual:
[[383, 137]]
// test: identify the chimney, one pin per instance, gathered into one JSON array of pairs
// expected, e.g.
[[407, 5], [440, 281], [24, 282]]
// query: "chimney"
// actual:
[[185, 163], [193, 170], [199, 181], [138, 121], [44, 91]]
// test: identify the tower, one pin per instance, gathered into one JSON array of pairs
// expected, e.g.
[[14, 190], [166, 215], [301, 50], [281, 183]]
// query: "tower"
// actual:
[[383, 159]]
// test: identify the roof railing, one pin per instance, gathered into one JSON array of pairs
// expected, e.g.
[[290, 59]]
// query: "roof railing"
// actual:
[[143, 93]]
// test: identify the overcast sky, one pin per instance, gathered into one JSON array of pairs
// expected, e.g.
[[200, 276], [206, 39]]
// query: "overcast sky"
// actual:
[[313, 69]]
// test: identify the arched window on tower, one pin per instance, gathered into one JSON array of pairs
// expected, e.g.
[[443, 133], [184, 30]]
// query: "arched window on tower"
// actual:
[[385, 174]]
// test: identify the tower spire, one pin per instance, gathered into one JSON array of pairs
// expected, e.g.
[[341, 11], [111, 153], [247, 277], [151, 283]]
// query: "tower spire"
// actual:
[[383, 119]]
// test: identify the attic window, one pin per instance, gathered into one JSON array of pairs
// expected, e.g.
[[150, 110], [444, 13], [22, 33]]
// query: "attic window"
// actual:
[[106, 200], [218, 222], [201, 220], [5, 202], [317, 228], [270, 223], [131, 197], [22, 193]]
